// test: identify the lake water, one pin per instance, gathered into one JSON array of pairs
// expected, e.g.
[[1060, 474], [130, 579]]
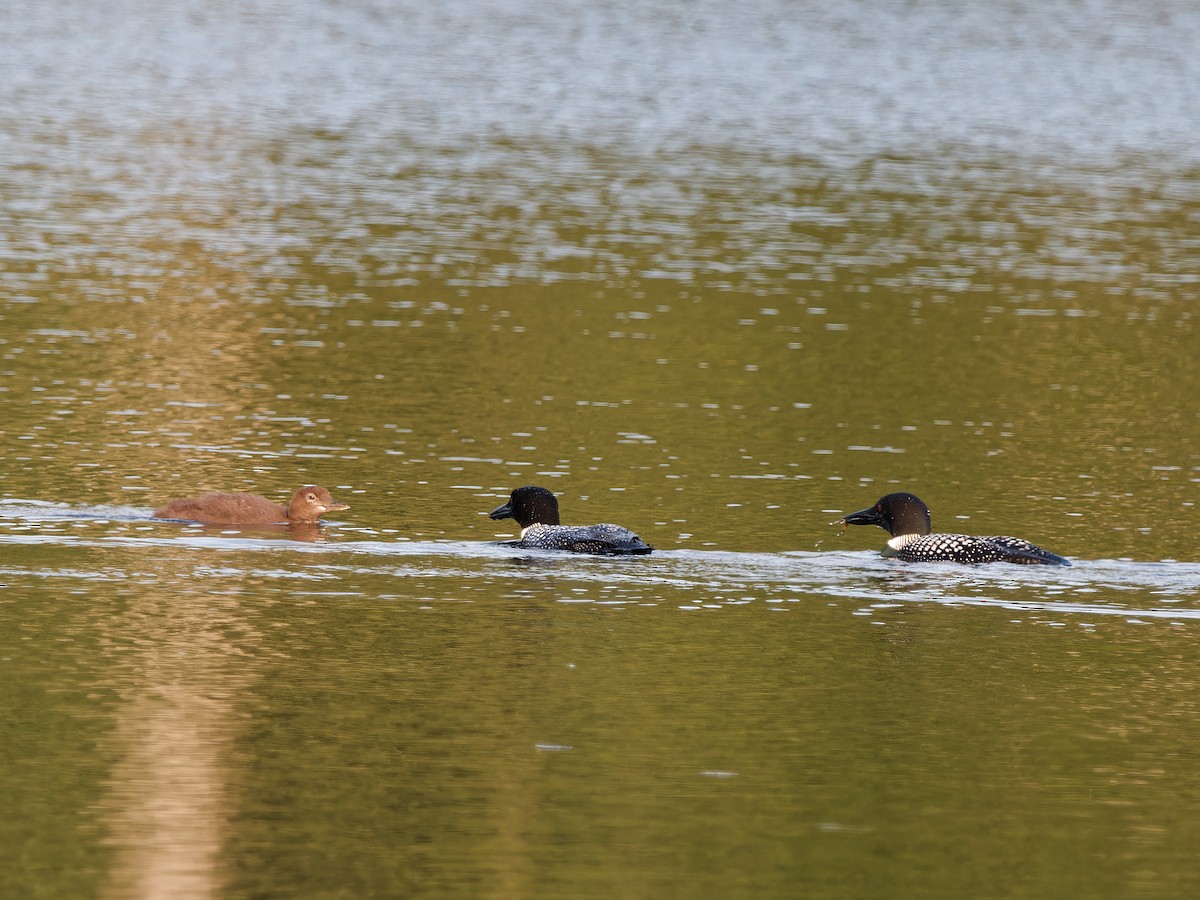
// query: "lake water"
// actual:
[[719, 272]]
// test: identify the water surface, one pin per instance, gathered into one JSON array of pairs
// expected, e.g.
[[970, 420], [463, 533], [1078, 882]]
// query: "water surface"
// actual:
[[718, 274]]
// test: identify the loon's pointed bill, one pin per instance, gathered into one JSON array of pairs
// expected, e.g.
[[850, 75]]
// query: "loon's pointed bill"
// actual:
[[535, 509], [868, 516], [906, 518]]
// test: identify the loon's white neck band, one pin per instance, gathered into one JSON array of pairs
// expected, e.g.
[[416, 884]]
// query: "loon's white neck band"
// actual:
[[900, 541]]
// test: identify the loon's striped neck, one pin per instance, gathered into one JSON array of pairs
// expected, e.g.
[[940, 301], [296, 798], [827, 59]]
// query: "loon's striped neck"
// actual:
[[899, 542]]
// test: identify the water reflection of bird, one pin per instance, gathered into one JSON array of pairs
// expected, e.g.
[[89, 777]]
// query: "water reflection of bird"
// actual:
[[906, 518], [306, 507], [535, 509]]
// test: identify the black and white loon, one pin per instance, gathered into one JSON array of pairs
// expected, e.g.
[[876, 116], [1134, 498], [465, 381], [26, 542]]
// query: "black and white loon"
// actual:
[[906, 518], [536, 511]]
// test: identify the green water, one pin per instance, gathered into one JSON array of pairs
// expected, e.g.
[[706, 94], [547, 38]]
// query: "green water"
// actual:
[[719, 278]]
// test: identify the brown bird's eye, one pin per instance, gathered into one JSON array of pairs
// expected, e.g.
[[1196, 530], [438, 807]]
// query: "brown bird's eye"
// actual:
[[312, 497]]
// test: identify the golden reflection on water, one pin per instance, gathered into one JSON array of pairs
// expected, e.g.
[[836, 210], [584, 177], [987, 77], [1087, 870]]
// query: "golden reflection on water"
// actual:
[[168, 801]]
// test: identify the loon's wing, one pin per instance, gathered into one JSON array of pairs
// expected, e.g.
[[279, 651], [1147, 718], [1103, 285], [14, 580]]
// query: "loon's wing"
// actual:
[[1016, 550], [960, 548], [607, 539], [965, 548]]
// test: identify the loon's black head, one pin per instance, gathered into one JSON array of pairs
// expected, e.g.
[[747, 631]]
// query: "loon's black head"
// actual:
[[896, 514], [529, 505]]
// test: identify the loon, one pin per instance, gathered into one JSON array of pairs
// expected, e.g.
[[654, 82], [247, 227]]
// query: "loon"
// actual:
[[536, 511], [216, 508], [906, 518]]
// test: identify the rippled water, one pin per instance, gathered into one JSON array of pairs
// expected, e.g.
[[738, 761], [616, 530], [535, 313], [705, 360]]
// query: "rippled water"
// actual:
[[718, 272], [689, 580]]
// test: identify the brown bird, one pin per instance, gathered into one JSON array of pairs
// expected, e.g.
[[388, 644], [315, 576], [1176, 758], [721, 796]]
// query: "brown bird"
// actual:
[[217, 508]]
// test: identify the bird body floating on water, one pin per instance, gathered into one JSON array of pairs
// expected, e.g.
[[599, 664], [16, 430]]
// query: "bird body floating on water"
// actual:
[[906, 518]]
